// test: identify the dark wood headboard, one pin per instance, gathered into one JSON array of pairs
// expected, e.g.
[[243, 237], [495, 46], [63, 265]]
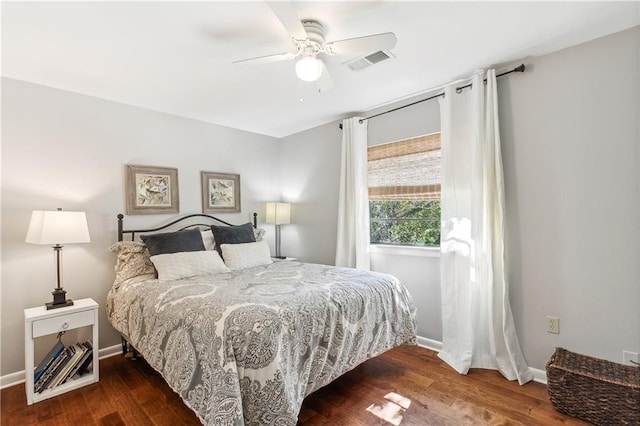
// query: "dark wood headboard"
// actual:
[[133, 232]]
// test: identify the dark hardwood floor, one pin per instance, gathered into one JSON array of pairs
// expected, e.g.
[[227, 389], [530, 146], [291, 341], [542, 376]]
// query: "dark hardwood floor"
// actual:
[[407, 386]]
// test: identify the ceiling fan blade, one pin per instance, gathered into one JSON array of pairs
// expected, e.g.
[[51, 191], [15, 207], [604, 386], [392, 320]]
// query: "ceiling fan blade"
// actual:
[[287, 15], [371, 43], [325, 82], [267, 59]]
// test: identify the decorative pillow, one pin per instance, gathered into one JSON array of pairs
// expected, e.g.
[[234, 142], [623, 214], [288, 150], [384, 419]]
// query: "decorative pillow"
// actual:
[[210, 243], [246, 255], [175, 266], [232, 235], [173, 242], [207, 239], [132, 261], [258, 233]]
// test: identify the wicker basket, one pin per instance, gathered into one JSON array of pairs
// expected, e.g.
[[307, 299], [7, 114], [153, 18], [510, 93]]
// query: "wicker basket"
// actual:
[[599, 391]]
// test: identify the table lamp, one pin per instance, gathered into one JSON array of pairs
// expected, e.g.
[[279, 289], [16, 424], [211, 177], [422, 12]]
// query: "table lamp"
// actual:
[[56, 228], [278, 214]]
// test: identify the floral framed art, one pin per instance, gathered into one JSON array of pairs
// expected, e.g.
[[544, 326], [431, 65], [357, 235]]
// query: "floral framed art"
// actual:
[[152, 190], [220, 192]]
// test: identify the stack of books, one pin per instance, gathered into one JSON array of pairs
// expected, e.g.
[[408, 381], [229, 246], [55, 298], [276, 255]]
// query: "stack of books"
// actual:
[[62, 364]]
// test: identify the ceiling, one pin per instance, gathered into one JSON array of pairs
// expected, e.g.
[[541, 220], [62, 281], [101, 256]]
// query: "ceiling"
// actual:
[[176, 57]]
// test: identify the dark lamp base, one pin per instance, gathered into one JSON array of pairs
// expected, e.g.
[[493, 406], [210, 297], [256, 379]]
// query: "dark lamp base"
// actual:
[[280, 257], [59, 300]]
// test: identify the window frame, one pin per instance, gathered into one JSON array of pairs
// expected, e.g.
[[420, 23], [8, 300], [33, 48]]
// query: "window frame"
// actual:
[[421, 144]]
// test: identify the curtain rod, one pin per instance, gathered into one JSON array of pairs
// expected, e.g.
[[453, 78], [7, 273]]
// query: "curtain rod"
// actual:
[[519, 68]]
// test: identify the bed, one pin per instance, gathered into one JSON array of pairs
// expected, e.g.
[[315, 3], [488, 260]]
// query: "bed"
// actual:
[[245, 340]]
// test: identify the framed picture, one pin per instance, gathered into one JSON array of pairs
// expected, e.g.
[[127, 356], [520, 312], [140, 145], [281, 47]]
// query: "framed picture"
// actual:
[[220, 193], [152, 190]]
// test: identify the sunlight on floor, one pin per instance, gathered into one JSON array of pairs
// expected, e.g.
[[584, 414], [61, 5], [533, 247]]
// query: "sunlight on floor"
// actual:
[[392, 409]]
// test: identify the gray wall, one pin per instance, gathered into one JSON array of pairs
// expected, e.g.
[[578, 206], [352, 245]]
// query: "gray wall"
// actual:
[[570, 142], [310, 175], [61, 149], [571, 145]]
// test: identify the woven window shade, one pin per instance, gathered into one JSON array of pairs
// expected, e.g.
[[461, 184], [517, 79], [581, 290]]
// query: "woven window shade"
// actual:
[[405, 170]]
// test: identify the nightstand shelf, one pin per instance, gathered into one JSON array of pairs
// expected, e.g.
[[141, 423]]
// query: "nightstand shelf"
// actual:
[[40, 322]]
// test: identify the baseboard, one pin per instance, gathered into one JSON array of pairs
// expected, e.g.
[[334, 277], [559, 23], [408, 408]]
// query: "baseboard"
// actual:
[[16, 378], [110, 351], [425, 342], [539, 376], [11, 379]]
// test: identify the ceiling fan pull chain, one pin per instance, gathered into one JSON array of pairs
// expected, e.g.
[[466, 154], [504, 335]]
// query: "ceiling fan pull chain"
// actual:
[[300, 90]]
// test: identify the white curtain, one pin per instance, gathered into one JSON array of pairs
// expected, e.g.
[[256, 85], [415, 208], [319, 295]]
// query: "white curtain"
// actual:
[[352, 247], [478, 329]]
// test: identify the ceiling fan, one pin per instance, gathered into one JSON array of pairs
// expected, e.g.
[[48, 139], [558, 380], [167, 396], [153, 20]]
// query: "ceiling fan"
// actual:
[[309, 41]]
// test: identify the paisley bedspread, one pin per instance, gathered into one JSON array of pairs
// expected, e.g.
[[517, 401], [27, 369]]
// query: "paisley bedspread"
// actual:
[[246, 347]]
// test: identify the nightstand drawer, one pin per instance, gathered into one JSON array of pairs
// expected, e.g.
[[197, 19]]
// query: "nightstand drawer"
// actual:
[[62, 323]]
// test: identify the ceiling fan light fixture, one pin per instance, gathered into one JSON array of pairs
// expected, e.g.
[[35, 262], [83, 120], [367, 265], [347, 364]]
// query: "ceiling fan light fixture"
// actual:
[[309, 68]]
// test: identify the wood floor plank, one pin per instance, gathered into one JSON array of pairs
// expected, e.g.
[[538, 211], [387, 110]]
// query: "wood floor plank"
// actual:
[[133, 393], [15, 410], [126, 404], [476, 414], [529, 389], [548, 415], [50, 412], [98, 401], [76, 410], [111, 419]]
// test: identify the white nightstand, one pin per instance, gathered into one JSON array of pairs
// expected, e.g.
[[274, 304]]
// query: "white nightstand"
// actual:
[[277, 259], [41, 322]]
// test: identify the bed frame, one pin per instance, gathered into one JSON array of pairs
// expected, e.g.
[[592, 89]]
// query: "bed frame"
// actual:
[[178, 224], [132, 232]]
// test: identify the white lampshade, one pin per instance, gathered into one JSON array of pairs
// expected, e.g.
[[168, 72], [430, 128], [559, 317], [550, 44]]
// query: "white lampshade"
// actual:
[[57, 227], [309, 68], [278, 213]]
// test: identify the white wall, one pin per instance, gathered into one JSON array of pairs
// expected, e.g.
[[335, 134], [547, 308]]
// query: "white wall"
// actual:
[[419, 272], [310, 174], [61, 149], [571, 147]]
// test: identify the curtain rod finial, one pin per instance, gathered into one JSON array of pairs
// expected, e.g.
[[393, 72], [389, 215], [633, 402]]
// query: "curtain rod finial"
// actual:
[[520, 68]]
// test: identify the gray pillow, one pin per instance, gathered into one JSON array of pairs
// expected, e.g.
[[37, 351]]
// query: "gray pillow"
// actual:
[[232, 235], [173, 242]]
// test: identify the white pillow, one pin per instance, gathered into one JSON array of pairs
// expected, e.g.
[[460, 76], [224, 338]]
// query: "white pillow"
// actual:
[[259, 233], [175, 266], [207, 239], [210, 243], [246, 255]]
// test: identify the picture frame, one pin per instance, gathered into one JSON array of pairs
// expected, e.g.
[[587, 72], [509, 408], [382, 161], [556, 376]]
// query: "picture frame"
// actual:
[[220, 192], [152, 190]]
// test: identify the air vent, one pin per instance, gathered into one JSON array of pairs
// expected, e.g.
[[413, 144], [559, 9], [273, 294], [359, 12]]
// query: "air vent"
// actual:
[[370, 59], [376, 57]]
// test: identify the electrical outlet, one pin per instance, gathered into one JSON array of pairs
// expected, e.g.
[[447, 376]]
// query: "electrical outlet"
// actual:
[[553, 325], [631, 358]]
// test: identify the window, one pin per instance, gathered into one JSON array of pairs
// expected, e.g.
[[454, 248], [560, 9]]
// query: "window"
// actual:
[[404, 191]]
